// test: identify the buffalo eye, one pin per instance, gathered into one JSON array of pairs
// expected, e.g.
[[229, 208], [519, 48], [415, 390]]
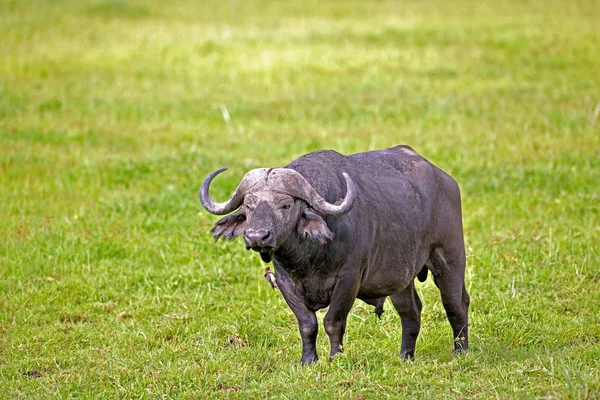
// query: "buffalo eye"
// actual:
[[286, 206], [248, 207]]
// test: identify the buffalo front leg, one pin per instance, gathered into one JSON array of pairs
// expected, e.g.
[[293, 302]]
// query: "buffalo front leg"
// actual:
[[342, 299], [409, 307], [307, 319], [307, 323]]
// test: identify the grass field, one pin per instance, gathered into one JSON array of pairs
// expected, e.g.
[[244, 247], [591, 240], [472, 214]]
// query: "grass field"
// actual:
[[112, 112]]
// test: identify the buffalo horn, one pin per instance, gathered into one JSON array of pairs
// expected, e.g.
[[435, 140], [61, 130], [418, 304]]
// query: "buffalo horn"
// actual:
[[296, 185], [235, 201]]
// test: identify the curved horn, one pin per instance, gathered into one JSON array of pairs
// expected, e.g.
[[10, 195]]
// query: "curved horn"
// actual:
[[249, 180], [297, 185], [319, 203]]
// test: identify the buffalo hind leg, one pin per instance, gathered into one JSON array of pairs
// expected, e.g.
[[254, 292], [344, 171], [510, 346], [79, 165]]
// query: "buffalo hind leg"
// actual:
[[408, 305], [449, 276]]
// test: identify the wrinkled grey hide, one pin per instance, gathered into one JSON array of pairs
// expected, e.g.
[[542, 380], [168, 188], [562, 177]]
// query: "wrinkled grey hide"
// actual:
[[362, 226]]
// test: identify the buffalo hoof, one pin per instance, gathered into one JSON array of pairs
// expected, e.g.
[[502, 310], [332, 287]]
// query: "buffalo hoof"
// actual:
[[461, 345], [308, 360]]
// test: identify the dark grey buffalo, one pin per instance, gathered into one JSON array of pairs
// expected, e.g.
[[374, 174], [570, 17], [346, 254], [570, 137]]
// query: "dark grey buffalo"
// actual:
[[361, 226]]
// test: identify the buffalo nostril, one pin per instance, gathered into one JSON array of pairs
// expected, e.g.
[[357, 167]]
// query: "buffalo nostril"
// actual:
[[256, 237], [260, 235]]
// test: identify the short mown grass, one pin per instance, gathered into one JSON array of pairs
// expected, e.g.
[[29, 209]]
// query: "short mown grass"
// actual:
[[112, 112]]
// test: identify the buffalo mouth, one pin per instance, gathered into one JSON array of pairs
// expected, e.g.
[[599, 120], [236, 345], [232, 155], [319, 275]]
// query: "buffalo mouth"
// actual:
[[266, 252], [266, 255]]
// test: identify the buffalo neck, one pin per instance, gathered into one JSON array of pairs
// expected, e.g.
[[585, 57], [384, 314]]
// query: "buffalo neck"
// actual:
[[304, 257]]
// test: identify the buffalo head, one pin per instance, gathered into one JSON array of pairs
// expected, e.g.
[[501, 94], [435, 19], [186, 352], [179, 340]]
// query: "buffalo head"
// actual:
[[273, 204]]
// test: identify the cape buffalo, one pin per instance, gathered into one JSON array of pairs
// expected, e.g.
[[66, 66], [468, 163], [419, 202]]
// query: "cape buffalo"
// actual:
[[361, 226]]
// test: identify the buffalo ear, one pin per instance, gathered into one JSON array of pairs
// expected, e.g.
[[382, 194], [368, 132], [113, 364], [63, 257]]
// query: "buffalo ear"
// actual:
[[311, 225], [230, 226]]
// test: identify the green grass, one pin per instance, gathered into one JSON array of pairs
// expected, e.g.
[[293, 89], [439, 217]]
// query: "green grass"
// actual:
[[112, 112]]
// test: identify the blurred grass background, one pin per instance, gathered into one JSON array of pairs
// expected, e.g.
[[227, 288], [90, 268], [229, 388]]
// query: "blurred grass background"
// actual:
[[112, 112]]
